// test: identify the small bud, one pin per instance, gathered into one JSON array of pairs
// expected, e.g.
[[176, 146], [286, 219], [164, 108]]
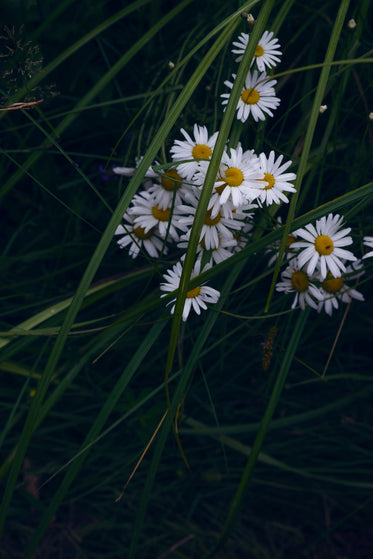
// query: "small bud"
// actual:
[[171, 65], [351, 24], [250, 19], [322, 109], [370, 116]]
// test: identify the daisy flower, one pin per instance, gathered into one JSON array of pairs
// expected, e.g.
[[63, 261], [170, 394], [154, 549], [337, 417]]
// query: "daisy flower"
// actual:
[[170, 189], [266, 53], [257, 98], [236, 182], [322, 246], [196, 297], [222, 251], [150, 216], [130, 171], [368, 241], [296, 280], [276, 178], [138, 239], [335, 289], [212, 229], [200, 148]]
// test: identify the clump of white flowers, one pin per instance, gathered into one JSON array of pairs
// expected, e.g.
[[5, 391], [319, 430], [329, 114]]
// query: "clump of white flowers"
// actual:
[[319, 270]]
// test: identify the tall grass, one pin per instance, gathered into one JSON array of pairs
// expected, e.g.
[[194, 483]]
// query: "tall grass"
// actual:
[[127, 433]]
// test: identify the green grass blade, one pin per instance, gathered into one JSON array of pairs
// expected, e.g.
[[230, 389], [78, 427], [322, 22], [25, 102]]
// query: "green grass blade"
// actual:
[[267, 417], [132, 367]]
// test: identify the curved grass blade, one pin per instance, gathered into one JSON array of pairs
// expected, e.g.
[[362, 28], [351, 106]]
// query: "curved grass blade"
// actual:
[[267, 417], [132, 367]]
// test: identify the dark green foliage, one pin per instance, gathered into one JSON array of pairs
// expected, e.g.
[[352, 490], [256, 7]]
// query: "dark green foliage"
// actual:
[[86, 342]]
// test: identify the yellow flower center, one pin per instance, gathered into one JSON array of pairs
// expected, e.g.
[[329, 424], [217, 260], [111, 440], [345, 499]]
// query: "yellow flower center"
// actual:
[[324, 245], [140, 232], [233, 176], [170, 180], [161, 215], [300, 281], [270, 179], [259, 51], [250, 96], [332, 285], [211, 221], [201, 151], [193, 293]]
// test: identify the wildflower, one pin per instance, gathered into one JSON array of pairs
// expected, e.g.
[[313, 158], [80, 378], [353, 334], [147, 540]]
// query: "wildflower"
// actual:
[[224, 249], [266, 53], [351, 24], [275, 181], [138, 238], [130, 171], [258, 97], [322, 246], [150, 216], [323, 108], [213, 228], [196, 297], [200, 148], [296, 280], [236, 182], [170, 190], [335, 289]]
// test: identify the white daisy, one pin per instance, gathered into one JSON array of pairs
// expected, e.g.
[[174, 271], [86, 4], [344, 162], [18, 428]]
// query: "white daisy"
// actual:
[[148, 215], [196, 297], [130, 171], [200, 148], [224, 250], [212, 228], [368, 241], [275, 177], [137, 238], [257, 98], [266, 53], [296, 280], [236, 182], [335, 289], [322, 246], [170, 189]]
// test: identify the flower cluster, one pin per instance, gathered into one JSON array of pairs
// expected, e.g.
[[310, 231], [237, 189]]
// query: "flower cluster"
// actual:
[[163, 212], [318, 266]]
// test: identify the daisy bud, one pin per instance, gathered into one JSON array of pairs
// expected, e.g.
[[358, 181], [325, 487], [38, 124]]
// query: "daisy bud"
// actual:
[[351, 24], [250, 19], [171, 65], [370, 116], [322, 109]]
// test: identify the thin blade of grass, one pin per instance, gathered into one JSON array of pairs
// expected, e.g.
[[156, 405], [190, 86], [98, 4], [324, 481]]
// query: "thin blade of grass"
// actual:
[[132, 367]]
